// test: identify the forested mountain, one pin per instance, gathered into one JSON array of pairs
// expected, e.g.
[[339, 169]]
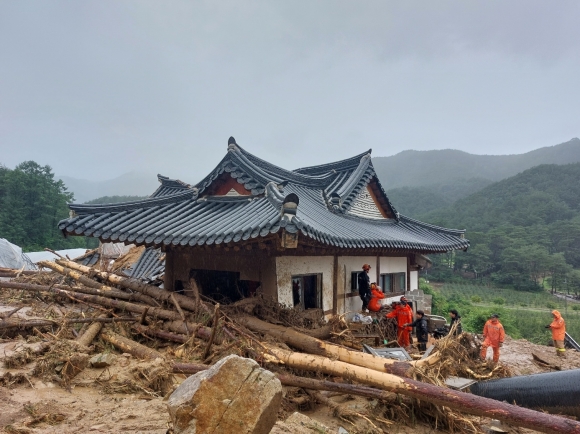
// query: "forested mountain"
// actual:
[[524, 229], [443, 167], [421, 181], [414, 201]]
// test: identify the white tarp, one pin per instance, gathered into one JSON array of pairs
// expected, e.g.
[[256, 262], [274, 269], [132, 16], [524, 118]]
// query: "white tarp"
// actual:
[[11, 256], [47, 256]]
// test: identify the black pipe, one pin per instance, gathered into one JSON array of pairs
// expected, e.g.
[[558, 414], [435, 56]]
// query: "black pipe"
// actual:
[[555, 392]]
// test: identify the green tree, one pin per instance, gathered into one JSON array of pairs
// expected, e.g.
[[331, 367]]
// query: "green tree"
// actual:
[[31, 204]]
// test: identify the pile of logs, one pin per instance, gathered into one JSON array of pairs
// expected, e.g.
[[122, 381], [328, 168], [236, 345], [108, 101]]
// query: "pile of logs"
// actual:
[[122, 299]]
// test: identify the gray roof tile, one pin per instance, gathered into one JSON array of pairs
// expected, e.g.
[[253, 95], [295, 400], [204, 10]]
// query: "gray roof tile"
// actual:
[[179, 214]]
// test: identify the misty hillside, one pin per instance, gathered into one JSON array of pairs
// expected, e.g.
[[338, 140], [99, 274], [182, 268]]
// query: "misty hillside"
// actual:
[[449, 175], [419, 168], [128, 184], [538, 196], [435, 179]]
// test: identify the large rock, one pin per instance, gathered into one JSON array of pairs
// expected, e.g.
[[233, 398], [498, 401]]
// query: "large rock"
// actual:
[[234, 396]]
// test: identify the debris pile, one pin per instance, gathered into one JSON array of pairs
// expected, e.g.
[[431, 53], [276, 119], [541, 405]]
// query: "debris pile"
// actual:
[[83, 316]]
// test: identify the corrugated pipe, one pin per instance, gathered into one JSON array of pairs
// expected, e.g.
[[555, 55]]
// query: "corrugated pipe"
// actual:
[[554, 392]]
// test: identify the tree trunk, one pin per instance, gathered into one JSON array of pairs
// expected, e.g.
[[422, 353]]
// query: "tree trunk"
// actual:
[[27, 323], [92, 331], [441, 396], [463, 402], [135, 285], [130, 346], [96, 299], [99, 289], [161, 334], [200, 331], [315, 346]]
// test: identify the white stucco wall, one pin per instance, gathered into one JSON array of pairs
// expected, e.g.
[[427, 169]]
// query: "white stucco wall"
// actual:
[[414, 280], [393, 265], [288, 266]]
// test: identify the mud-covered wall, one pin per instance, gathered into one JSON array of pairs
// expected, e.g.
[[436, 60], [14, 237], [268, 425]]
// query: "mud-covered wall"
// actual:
[[288, 266]]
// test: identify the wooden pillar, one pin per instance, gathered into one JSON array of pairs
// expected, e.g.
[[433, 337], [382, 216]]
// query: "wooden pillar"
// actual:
[[335, 286], [169, 278], [408, 272], [378, 279]]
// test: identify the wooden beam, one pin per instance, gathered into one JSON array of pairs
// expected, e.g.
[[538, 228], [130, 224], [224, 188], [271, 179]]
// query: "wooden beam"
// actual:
[[169, 277], [335, 285]]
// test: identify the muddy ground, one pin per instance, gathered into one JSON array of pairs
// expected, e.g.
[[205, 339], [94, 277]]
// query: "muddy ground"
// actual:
[[97, 401]]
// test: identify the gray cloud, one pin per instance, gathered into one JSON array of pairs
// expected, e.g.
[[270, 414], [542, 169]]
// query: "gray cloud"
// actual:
[[99, 88]]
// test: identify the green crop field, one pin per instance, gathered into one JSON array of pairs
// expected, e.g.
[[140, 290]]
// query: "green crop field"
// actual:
[[523, 314]]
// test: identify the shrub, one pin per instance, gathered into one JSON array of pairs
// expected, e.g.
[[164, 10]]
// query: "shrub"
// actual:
[[551, 305], [499, 301], [576, 307], [476, 298]]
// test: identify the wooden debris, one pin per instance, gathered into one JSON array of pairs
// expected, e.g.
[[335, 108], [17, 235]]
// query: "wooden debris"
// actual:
[[130, 346], [215, 322], [136, 285]]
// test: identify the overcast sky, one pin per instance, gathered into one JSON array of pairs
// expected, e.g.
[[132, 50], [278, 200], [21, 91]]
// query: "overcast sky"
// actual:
[[99, 88]]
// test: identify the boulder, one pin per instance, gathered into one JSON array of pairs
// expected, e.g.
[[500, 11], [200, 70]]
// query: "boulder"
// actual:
[[235, 396], [298, 423], [102, 360]]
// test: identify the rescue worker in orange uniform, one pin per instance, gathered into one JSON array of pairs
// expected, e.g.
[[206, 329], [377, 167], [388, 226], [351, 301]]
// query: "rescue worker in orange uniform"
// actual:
[[494, 336], [558, 328], [376, 296], [404, 314]]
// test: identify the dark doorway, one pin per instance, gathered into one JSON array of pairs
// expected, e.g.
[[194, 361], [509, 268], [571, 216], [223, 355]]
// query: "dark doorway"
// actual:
[[306, 291], [225, 287]]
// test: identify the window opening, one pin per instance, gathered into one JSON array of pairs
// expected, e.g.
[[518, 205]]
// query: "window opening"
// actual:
[[393, 282], [354, 280], [307, 291]]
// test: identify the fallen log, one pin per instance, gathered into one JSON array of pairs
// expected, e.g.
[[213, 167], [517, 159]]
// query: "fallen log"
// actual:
[[27, 323], [92, 331], [136, 285], [96, 299], [98, 288], [199, 330], [161, 334], [318, 347], [464, 402], [130, 346], [461, 401]]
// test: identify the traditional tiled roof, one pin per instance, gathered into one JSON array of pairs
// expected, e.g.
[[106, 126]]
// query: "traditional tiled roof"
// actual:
[[180, 214], [149, 266]]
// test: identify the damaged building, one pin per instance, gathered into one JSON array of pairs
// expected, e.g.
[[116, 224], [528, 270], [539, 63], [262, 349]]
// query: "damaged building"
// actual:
[[298, 236]]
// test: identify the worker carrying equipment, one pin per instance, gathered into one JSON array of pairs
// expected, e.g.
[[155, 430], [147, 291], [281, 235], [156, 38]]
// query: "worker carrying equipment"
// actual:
[[494, 336], [558, 327]]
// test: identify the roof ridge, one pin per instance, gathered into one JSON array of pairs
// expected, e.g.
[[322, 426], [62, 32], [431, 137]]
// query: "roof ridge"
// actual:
[[348, 163], [432, 227], [135, 204]]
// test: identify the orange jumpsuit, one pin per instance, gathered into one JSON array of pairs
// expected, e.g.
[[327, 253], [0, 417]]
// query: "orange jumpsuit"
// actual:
[[494, 335], [558, 327], [404, 316], [374, 304]]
